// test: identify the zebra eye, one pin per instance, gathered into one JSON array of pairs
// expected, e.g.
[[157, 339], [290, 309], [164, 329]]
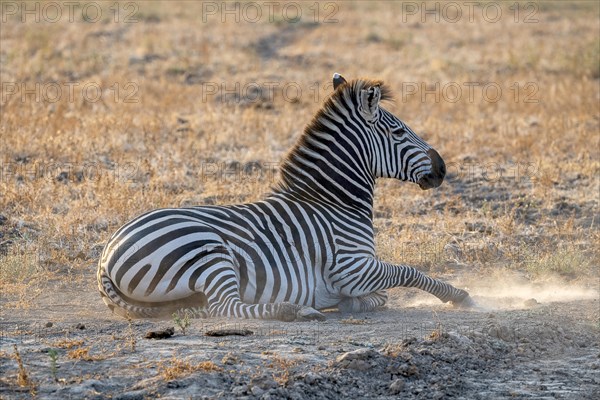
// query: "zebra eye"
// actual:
[[399, 131]]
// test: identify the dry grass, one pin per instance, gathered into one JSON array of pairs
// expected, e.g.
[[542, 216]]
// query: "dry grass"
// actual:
[[178, 368], [281, 368], [524, 174], [68, 343], [23, 379], [83, 353]]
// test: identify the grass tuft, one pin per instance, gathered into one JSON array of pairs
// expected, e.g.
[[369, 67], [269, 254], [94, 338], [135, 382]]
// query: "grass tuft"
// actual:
[[178, 368]]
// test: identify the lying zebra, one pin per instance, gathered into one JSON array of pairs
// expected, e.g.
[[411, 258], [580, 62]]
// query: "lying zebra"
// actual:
[[308, 246]]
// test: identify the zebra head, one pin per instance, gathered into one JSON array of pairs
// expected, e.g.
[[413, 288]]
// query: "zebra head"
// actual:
[[396, 151]]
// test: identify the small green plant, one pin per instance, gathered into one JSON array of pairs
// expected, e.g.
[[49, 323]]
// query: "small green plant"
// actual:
[[53, 354], [182, 319]]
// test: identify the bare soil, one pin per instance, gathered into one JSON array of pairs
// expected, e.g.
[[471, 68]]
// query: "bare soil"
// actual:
[[510, 347]]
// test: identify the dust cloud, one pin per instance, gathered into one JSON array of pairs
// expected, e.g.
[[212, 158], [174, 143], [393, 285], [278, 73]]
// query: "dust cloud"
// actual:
[[508, 290]]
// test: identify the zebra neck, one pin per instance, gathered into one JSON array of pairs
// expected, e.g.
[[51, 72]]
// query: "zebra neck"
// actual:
[[330, 162], [317, 179]]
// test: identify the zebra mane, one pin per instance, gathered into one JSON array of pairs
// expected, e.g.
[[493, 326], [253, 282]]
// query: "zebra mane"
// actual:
[[345, 92]]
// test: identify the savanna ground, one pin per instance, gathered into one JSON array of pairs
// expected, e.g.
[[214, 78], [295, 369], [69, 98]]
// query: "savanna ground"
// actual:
[[152, 104]]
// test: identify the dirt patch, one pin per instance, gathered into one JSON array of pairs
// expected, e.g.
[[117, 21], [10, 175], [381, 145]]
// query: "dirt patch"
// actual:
[[536, 350]]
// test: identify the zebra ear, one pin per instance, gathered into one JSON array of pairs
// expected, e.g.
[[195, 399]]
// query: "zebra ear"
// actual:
[[369, 102], [338, 80]]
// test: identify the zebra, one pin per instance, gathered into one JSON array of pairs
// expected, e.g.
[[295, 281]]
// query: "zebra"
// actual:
[[306, 247]]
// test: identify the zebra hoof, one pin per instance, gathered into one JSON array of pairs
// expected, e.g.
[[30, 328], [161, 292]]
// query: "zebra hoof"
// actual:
[[465, 303], [309, 314], [286, 312]]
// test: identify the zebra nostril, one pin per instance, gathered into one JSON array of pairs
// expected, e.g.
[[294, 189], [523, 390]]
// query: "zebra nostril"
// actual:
[[425, 182], [430, 180], [438, 167]]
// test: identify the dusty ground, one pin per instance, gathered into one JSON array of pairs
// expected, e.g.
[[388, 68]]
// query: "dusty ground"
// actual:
[[512, 348], [193, 109]]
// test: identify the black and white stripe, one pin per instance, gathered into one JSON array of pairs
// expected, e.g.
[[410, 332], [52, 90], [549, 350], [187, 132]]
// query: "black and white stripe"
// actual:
[[306, 247]]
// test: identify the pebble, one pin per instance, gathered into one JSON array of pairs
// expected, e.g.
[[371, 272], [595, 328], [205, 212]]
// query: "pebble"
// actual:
[[359, 354], [359, 365], [264, 382], [239, 390], [531, 303], [311, 378], [405, 370], [356, 359], [499, 331], [135, 395], [161, 334], [397, 386], [257, 391]]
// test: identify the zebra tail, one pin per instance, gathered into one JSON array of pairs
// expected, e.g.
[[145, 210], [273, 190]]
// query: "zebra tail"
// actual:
[[194, 306], [113, 298]]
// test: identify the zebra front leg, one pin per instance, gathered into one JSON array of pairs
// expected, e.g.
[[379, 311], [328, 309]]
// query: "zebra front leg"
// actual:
[[295, 312], [364, 303], [232, 306], [356, 277]]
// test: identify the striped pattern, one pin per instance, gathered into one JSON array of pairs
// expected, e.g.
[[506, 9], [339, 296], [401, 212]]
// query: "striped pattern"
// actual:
[[306, 247]]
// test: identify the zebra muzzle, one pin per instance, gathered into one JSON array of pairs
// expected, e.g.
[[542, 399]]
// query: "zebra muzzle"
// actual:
[[436, 176]]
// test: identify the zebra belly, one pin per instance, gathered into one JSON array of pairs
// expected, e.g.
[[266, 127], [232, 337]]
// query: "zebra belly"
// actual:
[[275, 274], [269, 275], [326, 298]]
